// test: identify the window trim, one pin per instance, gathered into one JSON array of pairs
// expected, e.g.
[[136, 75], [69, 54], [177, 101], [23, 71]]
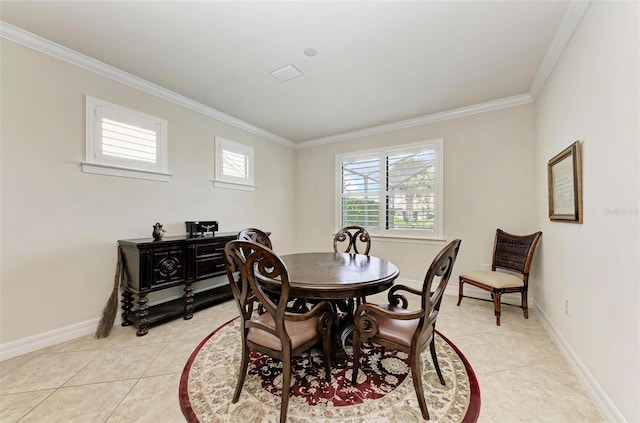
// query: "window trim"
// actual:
[[382, 153], [95, 163], [231, 182]]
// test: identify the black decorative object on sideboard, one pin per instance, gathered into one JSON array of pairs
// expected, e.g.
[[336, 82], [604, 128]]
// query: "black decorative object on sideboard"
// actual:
[[201, 227], [153, 265]]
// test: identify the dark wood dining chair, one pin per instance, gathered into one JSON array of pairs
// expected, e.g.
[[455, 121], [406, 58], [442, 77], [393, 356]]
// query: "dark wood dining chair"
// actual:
[[512, 253], [255, 235], [352, 239], [393, 326], [276, 332]]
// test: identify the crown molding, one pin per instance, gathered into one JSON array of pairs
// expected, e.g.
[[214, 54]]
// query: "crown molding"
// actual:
[[35, 42], [569, 23], [423, 120], [566, 29]]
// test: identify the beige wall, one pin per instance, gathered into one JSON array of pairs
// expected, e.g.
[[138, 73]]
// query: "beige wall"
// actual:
[[488, 178], [593, 96], [60, 226]]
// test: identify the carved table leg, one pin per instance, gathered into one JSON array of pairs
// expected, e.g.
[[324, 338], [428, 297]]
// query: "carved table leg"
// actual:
[[343, 327], [141, 314], [127, 307], [188, 301]]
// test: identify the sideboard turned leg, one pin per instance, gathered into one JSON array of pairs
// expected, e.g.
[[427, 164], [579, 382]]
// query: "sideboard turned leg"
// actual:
[[188, 301], [127, 307], [141, 314]]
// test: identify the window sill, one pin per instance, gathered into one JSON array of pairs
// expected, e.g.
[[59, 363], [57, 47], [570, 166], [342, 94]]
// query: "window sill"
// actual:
[[236, 186], [408, 239], [101, 169]]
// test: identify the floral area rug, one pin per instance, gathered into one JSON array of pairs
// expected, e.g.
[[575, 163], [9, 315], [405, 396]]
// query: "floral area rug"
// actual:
[[384, 392]]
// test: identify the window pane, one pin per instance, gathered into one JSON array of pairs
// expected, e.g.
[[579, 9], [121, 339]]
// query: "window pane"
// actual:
[[361, 211], [411, 211], [411, 171], [128, 141], [234, 164], [361, 176]]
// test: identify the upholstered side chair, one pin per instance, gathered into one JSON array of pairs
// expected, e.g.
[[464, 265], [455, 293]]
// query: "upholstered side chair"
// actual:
[[411, 331], [276, 332], [512, 256]]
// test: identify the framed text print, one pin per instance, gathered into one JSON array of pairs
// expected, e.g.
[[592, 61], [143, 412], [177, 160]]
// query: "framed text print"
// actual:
[[565, 185]]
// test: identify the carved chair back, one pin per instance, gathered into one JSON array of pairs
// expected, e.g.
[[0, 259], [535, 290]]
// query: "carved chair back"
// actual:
[[255, 235], [441, 267], [258, 264], [352, 236], [235, 262]]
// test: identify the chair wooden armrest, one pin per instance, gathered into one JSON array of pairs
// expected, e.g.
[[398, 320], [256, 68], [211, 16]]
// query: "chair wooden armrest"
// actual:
[[368, 308], [395, 299], [314, 311]]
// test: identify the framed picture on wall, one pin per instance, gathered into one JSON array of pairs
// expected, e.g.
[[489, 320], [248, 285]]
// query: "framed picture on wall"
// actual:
[[564, 173]]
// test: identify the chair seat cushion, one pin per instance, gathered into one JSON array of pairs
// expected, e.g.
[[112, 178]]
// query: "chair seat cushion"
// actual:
[[494, 279], [299, 332], [399, 331]]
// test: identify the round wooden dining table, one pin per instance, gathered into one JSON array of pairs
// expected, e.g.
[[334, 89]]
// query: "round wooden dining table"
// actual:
[[338, 278], [338, 275]]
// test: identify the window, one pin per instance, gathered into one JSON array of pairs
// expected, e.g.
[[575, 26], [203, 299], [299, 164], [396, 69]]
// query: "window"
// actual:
[[234, 165], [396, 191], [125, 142]]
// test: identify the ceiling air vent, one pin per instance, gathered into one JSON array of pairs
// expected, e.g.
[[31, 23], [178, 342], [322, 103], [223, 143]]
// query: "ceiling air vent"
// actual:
[[286, 73]]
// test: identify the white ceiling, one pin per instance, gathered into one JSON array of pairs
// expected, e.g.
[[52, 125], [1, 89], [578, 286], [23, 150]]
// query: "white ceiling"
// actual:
[[377, 62]]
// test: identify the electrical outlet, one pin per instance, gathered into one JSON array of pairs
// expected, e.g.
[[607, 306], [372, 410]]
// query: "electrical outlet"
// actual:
[[567, 307], [486, 267]]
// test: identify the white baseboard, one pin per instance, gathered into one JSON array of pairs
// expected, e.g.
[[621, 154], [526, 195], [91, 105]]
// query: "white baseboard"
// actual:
[[597, 394], [46, 339]]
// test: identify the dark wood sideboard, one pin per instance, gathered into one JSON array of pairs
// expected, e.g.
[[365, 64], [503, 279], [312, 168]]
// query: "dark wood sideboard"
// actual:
[[150, 266]]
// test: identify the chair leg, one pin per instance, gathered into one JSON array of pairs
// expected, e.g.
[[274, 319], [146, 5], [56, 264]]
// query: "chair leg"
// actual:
[[416, 374], [496, 305], [243, 372], [286, 385], [434, 357], [460, 284], [326, 350], [525, 305], [356, 356]]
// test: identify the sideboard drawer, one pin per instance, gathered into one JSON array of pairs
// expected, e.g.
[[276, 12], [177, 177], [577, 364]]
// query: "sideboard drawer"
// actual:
[[212, 249], [210, 267]]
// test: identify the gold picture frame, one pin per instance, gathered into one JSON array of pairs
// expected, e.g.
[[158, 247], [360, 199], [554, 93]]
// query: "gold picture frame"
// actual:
[[564, 173]]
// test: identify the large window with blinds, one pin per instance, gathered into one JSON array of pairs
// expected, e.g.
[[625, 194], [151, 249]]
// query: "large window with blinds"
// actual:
[[125, 142], [393, 191]]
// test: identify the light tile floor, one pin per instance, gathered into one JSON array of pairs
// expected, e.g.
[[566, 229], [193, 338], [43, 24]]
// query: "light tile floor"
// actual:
[[123, 378]]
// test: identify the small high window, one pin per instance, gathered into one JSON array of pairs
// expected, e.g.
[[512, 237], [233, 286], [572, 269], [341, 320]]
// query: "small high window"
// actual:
[[125, 142], [234, 165]]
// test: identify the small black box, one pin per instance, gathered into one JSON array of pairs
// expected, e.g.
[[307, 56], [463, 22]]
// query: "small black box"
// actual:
[[201, 227]]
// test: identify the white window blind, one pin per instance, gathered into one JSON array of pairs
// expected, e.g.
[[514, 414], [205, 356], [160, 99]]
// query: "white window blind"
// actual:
[[360, 199], [234, 165], [393, 191], [125, 142], [128, 141]]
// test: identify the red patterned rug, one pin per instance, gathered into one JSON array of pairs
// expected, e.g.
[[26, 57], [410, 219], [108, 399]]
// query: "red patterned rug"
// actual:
[[384, 392]]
